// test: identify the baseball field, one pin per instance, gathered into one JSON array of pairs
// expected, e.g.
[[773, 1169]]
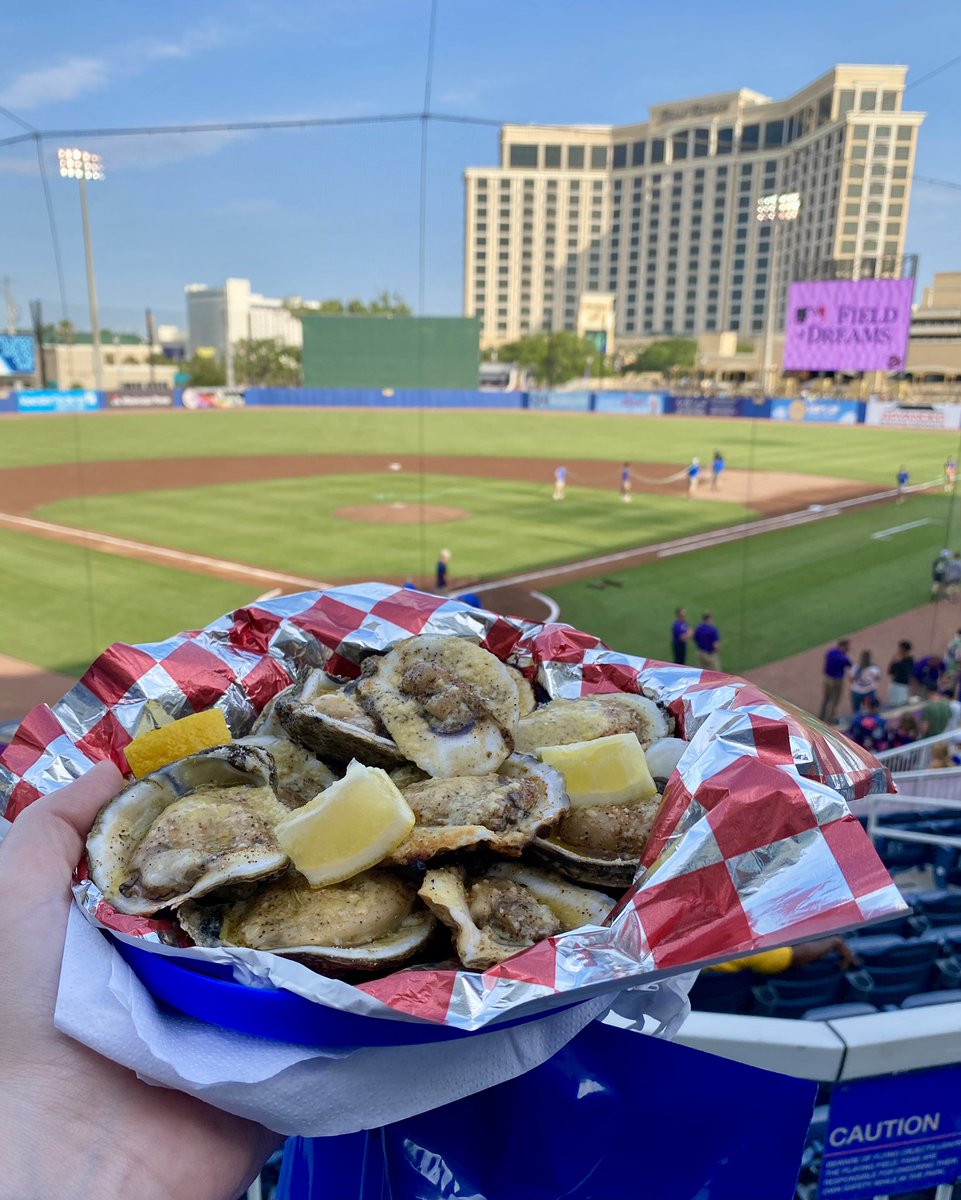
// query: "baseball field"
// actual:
[[134, 525]]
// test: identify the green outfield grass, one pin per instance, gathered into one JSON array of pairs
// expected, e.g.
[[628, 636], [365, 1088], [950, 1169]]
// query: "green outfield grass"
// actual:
[[62, 604], [290, 524], [855, 452], [776, 594]]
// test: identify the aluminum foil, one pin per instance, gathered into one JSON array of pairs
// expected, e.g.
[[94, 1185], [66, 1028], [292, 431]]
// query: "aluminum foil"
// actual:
[[754, 847]]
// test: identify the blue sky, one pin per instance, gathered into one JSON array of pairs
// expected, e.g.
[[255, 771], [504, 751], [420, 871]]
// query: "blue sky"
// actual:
[[333, 212]]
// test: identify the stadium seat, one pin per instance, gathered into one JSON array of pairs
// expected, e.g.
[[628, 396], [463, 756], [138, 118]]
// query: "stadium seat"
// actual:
[[924, 999], [774, 999], [823, 968], [889, 985], [941, 908], [722, 991], [948, 936], [871, 945], [835, 1012], [916, 952]]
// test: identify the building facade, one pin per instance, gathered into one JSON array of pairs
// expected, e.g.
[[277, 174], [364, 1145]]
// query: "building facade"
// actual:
[[662, 214], [218, 317]]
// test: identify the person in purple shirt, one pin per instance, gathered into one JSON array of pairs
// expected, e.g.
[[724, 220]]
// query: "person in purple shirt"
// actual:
[[836, 666], [680, 636], [707, 638]]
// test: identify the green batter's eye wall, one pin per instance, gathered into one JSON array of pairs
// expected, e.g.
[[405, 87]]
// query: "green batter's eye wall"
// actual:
[[391, 352]]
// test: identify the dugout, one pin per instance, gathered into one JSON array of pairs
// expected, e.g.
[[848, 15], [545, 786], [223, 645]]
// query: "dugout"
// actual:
[[348, 351]]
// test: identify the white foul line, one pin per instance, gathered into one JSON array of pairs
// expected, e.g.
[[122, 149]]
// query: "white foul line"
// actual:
[[886, 533], [179, 557]]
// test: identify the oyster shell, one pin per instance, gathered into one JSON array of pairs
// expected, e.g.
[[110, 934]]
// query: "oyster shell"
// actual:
[[449, 705], [525, 691], [502, 811], [300, 775], [600, 844], [367, 923], [507, 908], [335, 725], [187, 829], [560, 722], [663, 757]]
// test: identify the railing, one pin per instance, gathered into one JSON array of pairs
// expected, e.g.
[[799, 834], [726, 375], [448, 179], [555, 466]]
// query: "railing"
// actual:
[[917, 755], [879, 804]]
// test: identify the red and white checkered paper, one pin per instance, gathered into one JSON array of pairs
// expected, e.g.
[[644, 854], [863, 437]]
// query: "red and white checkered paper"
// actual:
[[754, 846]]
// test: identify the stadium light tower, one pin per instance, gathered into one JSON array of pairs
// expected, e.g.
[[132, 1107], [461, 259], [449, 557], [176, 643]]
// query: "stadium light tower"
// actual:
[[82, 165], [777, 209]]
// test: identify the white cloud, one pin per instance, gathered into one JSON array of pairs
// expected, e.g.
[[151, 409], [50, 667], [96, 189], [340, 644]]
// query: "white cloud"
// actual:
[[17, 166], [150, 152], [79, 75], [75, 76]]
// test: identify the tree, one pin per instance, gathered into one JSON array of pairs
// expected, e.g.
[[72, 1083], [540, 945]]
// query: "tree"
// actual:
[[388, 303], [384, 304], [205, 371], [661, 356], [267, 362], [553, 357]]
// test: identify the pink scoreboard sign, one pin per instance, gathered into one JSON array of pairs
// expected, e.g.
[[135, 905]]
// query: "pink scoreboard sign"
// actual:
[[842, 325]]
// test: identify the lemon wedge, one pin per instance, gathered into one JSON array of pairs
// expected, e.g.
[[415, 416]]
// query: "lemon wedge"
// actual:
[[607, 770], [170, 743], [348, 828]]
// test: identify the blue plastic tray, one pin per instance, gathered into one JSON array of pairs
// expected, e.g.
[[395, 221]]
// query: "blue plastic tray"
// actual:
[[204, 990]]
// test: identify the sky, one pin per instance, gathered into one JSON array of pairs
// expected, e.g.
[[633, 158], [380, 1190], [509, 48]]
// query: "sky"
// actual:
[[334, 211]]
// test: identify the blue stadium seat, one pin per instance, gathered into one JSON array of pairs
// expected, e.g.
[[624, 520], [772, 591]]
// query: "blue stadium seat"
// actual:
[[835, 1012], [722, 991], [940, 908], [872, 945], [949, 936], [774, 999], [924, 999], [889, 985], [823, 968], [917, 952]]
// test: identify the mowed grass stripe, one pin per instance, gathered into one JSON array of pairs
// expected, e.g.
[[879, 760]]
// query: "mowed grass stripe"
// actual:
[[62, 604], [846, 452], [291, 524], [777, 594]]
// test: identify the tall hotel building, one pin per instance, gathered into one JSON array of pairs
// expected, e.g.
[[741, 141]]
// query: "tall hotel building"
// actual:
[[661, 216]]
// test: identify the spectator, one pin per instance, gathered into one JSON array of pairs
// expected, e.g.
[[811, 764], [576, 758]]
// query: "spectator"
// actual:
[[938, 716], [707, 638], [939, 571], [680, 635], [942, 757], [905, 732], [836, 666], [717, 466], [903, 478], [952, 576], [869, 729], [773, 962], [899, 671], [927, 673], [864, 681], [440, 581], [951, 675]]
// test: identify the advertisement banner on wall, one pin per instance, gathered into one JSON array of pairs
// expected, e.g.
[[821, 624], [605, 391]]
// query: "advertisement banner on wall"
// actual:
[[910, 416], [156, 399], [706, 406], [848, 325], [50, 401], [562, 401], [893, 1134], [638, 404], [213, 397], [830, 412], [17, 354]]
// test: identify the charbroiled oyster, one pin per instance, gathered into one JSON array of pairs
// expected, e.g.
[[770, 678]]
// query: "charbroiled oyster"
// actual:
[[300, 775], [601, 844], [502, 811], [368, 923], [507, 908], [525, 691], [187, 829], [563, 721], [335, 725], [449, 705]]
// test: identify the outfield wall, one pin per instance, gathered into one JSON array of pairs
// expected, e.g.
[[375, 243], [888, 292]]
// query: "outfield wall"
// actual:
[[820, 411]]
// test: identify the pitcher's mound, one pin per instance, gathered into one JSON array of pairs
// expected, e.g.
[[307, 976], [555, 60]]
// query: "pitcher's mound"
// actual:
[[399, 513]]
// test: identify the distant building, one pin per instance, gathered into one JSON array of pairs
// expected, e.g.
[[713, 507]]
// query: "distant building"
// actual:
[[661, 215], [222, 316], [934, 351], [125, 364]]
